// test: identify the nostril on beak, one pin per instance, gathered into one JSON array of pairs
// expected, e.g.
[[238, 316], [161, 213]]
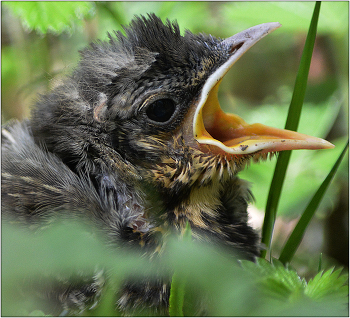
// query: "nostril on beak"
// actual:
[[235, 48]]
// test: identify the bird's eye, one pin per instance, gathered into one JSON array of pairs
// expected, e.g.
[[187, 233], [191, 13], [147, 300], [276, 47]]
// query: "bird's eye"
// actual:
[[161, 110]]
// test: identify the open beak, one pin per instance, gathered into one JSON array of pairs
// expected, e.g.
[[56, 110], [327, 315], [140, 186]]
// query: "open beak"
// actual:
[[219, 132]]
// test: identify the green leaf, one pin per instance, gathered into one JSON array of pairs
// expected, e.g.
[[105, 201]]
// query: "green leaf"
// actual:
[[291, 124], [177, 290], [177, 295], [213, 278], [297, 235], [282, 284], [50, 16], [328, 284], [277, 281]]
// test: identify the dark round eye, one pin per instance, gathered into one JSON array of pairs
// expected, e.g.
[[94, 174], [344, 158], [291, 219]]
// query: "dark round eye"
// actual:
[[161, 110]]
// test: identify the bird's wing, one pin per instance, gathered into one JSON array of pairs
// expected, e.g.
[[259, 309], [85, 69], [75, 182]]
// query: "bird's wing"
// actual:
[[35, 181], [38, 186]]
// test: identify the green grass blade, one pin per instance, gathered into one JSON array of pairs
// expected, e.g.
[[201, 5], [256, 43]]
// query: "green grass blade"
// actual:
[[273, 199], [295, 238], [302, 76], [177, 296], [319, 264], [291, 124], [177, 288]]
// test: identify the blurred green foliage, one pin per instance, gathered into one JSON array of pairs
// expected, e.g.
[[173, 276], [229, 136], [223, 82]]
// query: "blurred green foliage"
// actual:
[[226, 287], [40, 43], [55, 17]]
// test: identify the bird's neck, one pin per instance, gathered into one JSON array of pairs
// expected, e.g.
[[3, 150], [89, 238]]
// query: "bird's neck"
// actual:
[[204, 207], [216, 212]]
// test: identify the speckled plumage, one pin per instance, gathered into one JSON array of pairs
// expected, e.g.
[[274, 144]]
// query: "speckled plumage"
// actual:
[[90, 149]]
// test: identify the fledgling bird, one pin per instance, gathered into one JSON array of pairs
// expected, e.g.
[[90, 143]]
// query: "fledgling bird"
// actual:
[[135, 140]]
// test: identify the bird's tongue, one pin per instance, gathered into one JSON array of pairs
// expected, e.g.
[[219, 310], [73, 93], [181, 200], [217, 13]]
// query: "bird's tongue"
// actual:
[[218, 132]]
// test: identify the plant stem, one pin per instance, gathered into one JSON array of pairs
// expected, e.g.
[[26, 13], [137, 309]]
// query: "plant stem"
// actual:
[[291, 124]]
